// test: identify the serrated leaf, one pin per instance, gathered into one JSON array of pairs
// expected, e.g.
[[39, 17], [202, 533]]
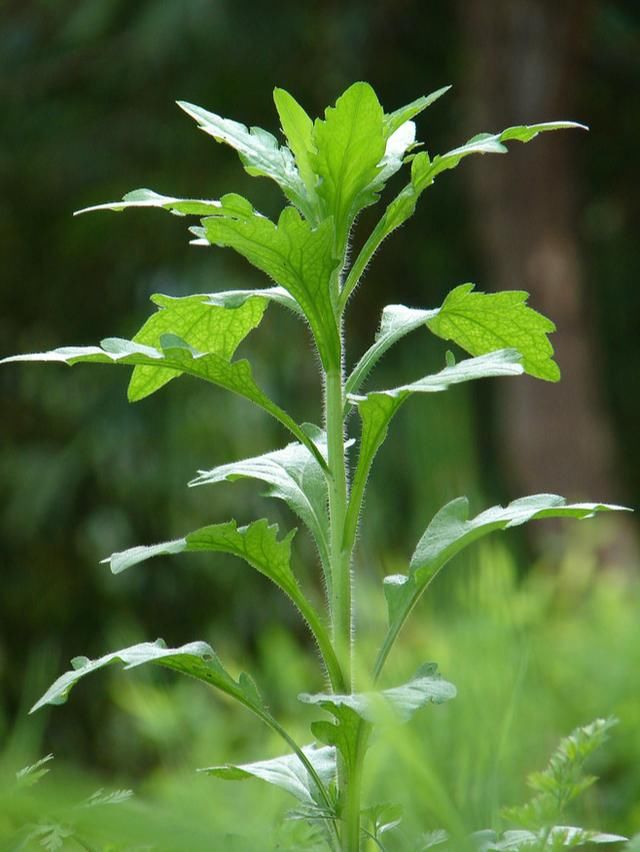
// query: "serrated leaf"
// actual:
[[384, 817], [396, 322], [178, 356], [398, 117], [451, 531], [395, 705], [350, 143], [298, 128], [294, 476], [196, 659], [481, 322], [149, 198], [563, 779], [296, 256], [286, 772], [30, 775], [101, 798], [377, 408], [204, 326], [424, 170], [259, 151], [257, 544]]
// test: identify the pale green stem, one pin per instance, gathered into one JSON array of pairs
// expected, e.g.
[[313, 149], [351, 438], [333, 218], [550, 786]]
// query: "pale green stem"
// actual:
[[327, 651], [340, 559]]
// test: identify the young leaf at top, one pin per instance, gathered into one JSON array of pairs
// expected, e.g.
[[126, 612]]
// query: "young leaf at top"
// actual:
[[400, 116], [451, 531], [286, 772], [292, 475], [483, 322], [176, 355], [298, 128], [258, 150], [296, 256], [350, 143], [204, 326], [423, 173]]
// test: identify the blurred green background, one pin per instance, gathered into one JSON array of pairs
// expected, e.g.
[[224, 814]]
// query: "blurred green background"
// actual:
[[539, 632]]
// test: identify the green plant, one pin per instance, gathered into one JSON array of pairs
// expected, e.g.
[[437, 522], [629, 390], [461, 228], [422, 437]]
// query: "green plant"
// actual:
[[331, 170]]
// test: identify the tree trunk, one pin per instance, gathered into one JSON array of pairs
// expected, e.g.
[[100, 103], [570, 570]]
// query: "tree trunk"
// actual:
[[523, 61]]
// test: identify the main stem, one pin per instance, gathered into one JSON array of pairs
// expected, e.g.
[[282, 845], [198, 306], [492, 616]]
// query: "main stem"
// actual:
[[349, 783], [340, 559]]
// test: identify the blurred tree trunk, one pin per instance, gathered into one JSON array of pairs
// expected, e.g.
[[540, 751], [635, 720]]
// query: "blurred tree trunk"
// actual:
[[523, 62]]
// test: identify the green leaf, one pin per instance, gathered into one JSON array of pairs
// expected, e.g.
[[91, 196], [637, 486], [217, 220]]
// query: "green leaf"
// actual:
[[197, 659], [396, 322], [258, 150], [292, 475], [423, 173], [204, 326], [256, 543], [176, 355], [483, 322], [557, 837], [399, 116], [298, 128], [150, 198], [236, 298], [30, 775], [478, 322], [286, 772], [396, 705], [350, 143], [296, 256], [377, 409], [451, 531], [563, 780]]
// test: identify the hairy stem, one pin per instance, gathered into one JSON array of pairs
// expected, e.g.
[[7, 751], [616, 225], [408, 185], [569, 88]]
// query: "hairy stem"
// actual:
[[340, 559]]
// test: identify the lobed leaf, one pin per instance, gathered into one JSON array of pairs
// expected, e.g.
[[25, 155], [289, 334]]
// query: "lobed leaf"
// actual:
[[176, 355], [478, 322], [202, 325], [451, 531], [377, 409], [396, 322], [396, 705], [423, 173], [150, 198], [350, 143], [563, 779], [257, 544], [483, 322], [298, 128], [196, 659], [259, 151], [296, 256], [292, 475], [286, 772]]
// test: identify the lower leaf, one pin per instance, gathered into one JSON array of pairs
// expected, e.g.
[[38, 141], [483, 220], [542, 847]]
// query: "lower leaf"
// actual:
[[286, 772]]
